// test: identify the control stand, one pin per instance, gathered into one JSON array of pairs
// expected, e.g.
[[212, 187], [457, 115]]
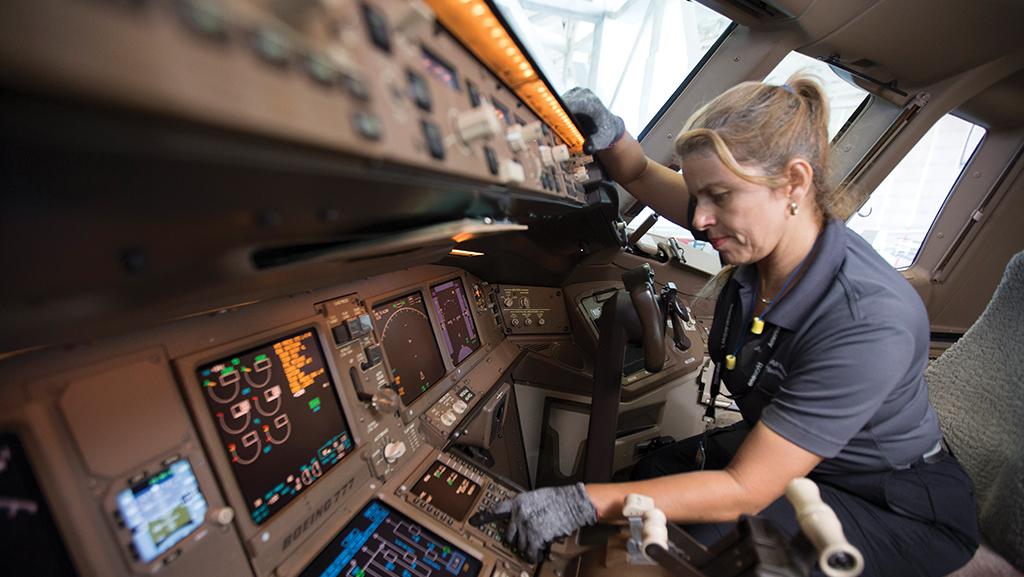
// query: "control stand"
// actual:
[[638, 314], [755, 548]]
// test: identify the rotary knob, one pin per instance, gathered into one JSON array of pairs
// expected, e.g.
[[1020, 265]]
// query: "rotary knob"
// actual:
[[509, 302], [515, 321], [448, 418], [526, 302], [222, 516], [393, 451], [385, 400], [528, 321]]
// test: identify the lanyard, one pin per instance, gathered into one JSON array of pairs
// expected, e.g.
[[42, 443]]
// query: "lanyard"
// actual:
[[730, 338]]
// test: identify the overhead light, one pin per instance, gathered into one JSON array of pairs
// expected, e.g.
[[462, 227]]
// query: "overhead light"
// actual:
[[476, 25]]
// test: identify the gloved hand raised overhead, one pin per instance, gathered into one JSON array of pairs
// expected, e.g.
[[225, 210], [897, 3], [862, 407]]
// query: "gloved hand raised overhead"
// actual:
[[538, 517], [600, 127]]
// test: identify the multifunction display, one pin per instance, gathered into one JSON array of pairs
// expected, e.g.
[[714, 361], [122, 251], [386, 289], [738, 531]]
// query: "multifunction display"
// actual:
[[381, 542], [405, 331], [453, 312], [162, 510], [279, 418], [447, 490]]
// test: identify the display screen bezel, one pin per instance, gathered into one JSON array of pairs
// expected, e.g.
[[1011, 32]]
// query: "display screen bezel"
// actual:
[[469, 309], [429, 472], [163, 548]]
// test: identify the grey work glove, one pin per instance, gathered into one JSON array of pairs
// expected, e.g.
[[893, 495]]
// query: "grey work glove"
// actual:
[[600, 127], [538, 517]]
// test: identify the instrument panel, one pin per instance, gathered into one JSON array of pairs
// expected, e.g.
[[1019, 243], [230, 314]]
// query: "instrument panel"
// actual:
[[240, 444], [373, 79]]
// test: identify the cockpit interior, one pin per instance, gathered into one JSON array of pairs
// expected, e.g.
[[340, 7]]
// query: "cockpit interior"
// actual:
[[296, 288]]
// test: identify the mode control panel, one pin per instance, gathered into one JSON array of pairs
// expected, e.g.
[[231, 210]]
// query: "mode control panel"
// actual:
[[361, 360], [527, 310], [459, 496]]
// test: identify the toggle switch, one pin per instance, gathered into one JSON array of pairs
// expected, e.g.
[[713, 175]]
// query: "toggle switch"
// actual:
[[511, 172], [478, 124]]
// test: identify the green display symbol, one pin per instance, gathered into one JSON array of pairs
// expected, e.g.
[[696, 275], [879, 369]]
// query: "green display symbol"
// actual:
[[314, 404]]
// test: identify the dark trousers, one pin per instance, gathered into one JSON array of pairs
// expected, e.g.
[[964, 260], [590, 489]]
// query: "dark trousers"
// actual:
[[919, 521]]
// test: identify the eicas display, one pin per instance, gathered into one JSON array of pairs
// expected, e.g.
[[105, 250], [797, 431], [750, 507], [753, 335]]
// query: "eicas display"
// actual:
[[279, 417]]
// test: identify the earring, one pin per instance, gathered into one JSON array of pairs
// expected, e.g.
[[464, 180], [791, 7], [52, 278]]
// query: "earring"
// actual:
[[793, 208]]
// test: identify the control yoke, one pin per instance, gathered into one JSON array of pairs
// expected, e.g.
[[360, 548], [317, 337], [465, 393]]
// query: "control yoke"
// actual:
[[636, 315]]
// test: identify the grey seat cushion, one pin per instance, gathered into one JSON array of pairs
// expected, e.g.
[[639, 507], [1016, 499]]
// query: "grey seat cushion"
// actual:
[[977, 387]]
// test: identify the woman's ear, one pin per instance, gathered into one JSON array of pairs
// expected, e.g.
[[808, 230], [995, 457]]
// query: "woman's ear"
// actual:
[[801, 177]]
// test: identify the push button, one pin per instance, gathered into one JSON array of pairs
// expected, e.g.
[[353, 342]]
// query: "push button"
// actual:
[[419, 90], [492, 160], [377, 26], [474, 94], [367, 125], [341, 334], [432, 134], [373, 356]]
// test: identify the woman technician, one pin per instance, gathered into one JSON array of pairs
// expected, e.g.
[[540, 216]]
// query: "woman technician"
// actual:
[[820, 341]]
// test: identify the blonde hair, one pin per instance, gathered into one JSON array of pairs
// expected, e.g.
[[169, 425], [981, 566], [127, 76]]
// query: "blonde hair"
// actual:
[[765, 126]]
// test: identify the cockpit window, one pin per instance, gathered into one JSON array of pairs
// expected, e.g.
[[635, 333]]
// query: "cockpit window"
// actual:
[[632, 53], [843, 97], [897, 216], [844, 100]]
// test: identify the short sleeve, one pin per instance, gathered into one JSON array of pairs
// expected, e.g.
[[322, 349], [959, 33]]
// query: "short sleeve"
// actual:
[[838, 381]]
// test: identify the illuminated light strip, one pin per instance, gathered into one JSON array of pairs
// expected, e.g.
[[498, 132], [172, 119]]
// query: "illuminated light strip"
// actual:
[[475, 25], [460, 252]]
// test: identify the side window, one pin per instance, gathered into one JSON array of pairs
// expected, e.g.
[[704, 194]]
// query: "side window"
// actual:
[[843, 98], [899, 213]]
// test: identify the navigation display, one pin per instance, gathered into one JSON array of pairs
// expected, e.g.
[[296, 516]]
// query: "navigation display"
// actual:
[[447, 490], [162, 510], [405, 331], [279, 418], [456, 318], [381, 542]]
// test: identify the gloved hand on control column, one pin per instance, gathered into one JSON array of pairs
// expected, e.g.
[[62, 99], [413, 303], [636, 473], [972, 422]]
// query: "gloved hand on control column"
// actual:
[[600, 127], [538, 517]]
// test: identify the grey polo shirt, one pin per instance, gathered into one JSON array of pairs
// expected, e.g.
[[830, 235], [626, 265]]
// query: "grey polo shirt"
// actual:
[[848, 382]]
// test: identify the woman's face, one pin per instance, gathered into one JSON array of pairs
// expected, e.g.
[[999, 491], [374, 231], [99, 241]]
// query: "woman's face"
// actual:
[[744, 221]]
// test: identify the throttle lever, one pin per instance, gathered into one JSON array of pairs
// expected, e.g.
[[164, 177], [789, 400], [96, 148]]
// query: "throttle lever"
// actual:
[[640, 284], [676, 314]]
